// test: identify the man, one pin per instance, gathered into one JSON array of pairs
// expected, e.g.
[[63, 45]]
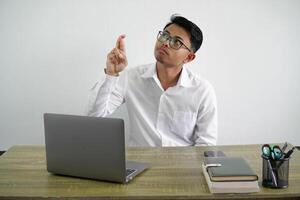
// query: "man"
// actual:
[[167, 104]]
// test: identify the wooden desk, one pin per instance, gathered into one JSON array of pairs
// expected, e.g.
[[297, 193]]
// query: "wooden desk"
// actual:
[[175, 174]]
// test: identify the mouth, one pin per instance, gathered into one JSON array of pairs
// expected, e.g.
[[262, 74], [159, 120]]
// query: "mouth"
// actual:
[[163, 51]]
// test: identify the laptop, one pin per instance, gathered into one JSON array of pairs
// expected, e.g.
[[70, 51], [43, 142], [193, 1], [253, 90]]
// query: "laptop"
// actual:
[[88, 147]]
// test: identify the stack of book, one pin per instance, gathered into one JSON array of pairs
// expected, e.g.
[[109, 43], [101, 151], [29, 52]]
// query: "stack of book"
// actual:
[[229, 175]]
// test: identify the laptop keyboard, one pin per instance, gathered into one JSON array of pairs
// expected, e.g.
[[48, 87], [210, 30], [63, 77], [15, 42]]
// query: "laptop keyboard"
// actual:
[[130, 171]]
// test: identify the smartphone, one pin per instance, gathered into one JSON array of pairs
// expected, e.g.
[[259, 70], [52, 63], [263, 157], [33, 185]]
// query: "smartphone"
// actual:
[[214, 154]]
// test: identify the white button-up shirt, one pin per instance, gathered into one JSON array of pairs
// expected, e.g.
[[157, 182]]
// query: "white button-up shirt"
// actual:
[[182, 115]]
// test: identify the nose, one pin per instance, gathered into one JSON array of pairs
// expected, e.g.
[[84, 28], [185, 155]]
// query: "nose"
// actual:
[[166, 44]]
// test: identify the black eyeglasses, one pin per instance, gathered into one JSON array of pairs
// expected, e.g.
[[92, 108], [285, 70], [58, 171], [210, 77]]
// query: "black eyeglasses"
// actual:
[[174, 42]]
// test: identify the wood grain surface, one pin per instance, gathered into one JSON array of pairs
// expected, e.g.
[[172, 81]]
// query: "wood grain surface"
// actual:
[[175, 173]]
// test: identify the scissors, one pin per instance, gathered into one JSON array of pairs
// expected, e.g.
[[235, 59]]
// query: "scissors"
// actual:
[[272, 152]]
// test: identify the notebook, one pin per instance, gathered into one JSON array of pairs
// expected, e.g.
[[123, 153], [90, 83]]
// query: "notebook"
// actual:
[[88, 147], [231, 169], [229, 187]]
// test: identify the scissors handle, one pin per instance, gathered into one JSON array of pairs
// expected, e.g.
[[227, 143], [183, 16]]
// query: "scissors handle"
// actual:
[[272, 152]]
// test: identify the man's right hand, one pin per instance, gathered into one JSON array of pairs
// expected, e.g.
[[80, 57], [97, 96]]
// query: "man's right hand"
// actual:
[[116, 60]]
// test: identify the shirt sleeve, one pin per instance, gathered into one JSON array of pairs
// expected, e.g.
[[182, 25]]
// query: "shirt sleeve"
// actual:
[[107, 95], [206, 129]]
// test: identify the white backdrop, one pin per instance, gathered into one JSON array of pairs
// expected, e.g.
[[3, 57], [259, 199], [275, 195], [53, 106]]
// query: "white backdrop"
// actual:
[[52, 51]]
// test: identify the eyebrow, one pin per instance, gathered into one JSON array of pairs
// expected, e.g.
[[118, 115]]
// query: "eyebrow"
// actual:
[[176, 36]]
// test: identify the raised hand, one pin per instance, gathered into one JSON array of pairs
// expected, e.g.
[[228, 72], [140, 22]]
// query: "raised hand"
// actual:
[[116, 60]]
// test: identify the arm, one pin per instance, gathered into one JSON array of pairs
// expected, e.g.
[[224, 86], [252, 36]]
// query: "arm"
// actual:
[[108, 94], [207, 121]]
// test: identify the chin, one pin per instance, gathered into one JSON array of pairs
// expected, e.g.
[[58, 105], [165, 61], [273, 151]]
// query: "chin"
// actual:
[[158, 57], [162, 59]]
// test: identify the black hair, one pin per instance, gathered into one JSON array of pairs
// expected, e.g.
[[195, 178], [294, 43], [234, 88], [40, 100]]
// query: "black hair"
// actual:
[[196, 37]]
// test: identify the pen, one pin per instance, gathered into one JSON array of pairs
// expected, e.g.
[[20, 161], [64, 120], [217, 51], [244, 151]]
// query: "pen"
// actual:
[[289, 153], [284, 147]]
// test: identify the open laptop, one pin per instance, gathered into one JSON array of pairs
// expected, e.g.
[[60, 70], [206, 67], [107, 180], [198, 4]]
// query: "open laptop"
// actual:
[[88, 147]]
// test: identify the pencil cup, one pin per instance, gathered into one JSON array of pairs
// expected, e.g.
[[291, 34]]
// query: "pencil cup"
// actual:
[[275, 173]]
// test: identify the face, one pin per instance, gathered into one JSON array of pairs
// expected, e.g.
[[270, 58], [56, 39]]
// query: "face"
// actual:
[[174, 57]]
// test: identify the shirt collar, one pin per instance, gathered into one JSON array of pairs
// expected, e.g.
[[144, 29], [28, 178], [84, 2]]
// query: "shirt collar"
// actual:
[[184, 79]]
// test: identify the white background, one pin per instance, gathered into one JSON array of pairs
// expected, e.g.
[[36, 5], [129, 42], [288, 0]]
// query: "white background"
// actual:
[[52, 51]]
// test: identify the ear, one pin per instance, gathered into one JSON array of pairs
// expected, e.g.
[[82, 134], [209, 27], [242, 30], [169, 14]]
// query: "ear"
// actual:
[[189, 58]]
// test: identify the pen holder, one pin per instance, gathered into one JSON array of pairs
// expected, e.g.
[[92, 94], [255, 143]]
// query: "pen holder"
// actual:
[[275, 173]]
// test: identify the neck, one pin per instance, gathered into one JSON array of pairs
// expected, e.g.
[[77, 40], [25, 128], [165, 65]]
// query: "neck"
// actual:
[[168, 76]]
